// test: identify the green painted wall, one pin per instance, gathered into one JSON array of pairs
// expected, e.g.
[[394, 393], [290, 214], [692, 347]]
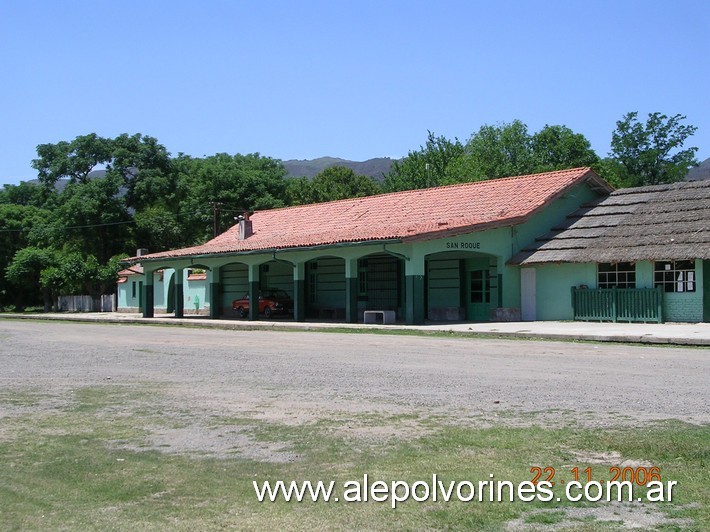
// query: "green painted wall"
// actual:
[[686, 306], [194, 291], [706, 290], [444, 283], [554, 284], [325, 283]]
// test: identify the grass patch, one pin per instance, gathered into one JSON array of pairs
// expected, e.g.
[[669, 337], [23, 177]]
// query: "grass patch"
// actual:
[[62, 469]]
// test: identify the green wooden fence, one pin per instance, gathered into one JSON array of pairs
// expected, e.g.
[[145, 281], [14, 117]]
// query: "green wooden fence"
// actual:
[[618, 304]]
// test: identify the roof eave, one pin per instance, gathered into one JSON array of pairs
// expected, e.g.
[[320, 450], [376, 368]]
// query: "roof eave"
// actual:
[[271, 250]]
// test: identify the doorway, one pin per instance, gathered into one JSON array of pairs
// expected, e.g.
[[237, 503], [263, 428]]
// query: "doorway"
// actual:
[[478, 301]]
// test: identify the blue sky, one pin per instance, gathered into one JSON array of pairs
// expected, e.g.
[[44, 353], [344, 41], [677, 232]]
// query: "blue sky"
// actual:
[[304, 79]]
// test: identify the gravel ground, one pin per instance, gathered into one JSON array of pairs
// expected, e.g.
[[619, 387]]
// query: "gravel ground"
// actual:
[[377, 387], [292, 377]]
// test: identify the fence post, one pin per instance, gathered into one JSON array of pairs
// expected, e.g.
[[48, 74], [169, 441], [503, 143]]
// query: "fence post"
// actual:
[[574, 303], [659, 300], [614, 297]]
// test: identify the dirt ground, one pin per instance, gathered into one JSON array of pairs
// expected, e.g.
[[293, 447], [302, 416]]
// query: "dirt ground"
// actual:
[[376, 387], [292, 377]]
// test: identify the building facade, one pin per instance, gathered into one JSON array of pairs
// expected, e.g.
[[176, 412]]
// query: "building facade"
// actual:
[[455, 253]]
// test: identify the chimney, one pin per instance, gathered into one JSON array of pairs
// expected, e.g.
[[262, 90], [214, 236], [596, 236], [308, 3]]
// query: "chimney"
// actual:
[[141, 251], [245, 227]]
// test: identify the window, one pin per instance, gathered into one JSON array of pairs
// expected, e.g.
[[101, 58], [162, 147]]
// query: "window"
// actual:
[[480, 286], [617, 274], [675, 275], [133, 290], [313, 286]]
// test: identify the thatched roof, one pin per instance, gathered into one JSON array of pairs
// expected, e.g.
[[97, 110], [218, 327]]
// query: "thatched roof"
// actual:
[[663, 222]]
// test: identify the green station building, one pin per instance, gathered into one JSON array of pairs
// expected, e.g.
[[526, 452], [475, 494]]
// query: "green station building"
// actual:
[[554, 246]]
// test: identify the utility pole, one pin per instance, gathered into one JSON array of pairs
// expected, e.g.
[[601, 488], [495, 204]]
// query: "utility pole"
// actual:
[[215, 208]]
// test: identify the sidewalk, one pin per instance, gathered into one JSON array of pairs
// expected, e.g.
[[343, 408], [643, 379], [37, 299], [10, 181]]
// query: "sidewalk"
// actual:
[[694, 334]]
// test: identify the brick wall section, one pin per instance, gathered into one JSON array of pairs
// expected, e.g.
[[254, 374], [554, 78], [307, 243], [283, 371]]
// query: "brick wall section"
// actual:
[[683, 307]]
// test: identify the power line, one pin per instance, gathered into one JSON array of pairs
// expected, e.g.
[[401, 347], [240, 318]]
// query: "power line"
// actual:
[[56, 227]]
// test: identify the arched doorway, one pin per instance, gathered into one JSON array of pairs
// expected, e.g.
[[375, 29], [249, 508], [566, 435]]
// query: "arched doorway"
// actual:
[[325, 288], [461, 286]]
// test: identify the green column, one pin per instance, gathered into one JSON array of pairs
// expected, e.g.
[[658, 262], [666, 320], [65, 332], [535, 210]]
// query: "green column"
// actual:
[[414, 290], [148, 296], [179, 293], [414, 299], [215, 293], [253, 292], [351, 290], [299, 292]]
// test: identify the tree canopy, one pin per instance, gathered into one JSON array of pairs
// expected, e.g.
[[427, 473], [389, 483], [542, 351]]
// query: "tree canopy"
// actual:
[[651, 153], [330, 184], [426, 167]]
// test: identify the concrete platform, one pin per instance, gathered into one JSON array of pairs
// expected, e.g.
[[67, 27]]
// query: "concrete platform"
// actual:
[[694, 334]]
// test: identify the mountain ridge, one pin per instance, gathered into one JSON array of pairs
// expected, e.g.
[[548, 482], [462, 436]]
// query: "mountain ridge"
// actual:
[[376, 168]]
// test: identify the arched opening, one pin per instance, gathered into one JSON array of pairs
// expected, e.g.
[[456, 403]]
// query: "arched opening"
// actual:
[[234, 280], [325, 288], [461, 286], [380, 284]]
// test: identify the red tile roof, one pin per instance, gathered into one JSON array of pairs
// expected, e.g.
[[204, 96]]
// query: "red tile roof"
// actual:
[[136, 269], [403, 216]]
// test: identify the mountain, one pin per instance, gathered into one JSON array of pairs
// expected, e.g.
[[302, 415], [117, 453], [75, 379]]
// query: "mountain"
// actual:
[[375, 168], [699, 173]]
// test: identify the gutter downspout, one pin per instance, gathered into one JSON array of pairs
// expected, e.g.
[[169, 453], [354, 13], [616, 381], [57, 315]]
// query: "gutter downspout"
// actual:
[[283, 261], [393, 253]]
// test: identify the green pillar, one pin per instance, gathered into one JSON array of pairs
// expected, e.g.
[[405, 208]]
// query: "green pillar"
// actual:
[[299, 292], [414, 296], [148, 296], [351, 290], [215, 293], [179, 293], [253, 292], [414, 299]]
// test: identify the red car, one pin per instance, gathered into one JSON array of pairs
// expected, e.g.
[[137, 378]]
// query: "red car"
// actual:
[[271, 302]]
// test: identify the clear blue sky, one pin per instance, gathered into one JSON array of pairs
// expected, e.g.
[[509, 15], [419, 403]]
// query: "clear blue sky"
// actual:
[[304, 79]]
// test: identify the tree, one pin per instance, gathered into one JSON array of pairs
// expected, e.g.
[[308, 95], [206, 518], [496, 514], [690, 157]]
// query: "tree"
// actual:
[[23, 273], [330, 184], [17, 226], [146, 168], [77, 274], [426, 167], [559, 148], [71, 160], [157, 229], [496, 151], [232, 184], [651, 153], [28, 194]]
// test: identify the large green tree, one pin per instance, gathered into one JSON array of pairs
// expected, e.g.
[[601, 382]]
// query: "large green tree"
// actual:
[[650, 153], [23, 274], [496, 151], [227, 185], [560, 148], [73, 160], [428, 166], [17, 224], [331, 184]]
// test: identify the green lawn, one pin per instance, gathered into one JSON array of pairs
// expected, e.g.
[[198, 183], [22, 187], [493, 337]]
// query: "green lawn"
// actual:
[[78, 464]]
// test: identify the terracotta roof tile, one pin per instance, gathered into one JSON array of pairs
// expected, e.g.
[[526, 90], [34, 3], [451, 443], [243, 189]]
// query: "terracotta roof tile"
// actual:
[[405, 216]]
